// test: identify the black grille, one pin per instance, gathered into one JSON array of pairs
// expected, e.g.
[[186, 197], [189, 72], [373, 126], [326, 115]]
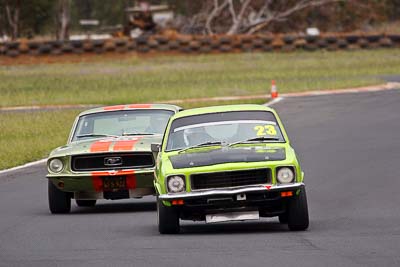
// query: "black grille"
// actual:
[[230, 178], [122, 161]]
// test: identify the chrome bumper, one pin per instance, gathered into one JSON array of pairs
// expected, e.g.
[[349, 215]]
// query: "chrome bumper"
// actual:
[[247, 189]]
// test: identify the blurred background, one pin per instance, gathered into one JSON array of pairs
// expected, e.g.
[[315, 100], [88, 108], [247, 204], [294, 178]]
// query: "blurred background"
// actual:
[[64, 19]]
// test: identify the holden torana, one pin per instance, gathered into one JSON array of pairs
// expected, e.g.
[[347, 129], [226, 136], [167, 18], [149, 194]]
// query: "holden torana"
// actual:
[[108, 155], [228, 163]]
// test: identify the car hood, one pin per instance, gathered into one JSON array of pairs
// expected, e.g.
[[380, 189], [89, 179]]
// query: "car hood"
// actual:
[[227, 155], [108, 145]]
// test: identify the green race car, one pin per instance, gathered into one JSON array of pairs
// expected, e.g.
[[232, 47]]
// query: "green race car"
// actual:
[[228, 163], [108, 155]]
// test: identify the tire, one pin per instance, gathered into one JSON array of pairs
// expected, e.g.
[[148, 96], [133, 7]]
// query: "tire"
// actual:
[[298, 212], [168, 219], [85, 203], [59, 201]]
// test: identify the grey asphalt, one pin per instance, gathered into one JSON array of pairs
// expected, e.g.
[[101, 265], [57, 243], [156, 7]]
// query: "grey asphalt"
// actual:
[[349, 146]]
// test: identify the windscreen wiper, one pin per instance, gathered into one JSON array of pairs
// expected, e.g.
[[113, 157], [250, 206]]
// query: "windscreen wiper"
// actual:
[[96, 135], [255, 139], [209, 143], [131, 134]]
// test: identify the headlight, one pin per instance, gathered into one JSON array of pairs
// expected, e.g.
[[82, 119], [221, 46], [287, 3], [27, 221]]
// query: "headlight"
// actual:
[[285, 175], [176, 184], [56, 165]]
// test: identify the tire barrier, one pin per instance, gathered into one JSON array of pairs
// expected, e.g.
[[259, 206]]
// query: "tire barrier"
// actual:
[[203, 44]]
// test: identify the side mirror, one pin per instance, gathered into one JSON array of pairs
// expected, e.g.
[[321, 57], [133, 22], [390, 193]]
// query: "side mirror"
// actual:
[[155, 148]]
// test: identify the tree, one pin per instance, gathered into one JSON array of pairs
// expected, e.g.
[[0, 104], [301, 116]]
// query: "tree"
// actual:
[[63, 19], [250, 16], [12, 10]]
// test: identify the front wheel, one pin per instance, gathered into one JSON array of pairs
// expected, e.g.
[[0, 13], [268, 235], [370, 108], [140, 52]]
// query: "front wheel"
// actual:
[[59, 201], [85, 203], [168, 219], [298, 211]]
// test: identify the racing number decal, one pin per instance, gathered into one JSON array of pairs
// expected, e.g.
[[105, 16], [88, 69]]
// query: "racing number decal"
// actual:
[[265, 130]]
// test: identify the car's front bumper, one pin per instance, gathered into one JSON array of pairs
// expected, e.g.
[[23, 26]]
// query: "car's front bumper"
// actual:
[[90, 185], [267, 200], [236, 191]]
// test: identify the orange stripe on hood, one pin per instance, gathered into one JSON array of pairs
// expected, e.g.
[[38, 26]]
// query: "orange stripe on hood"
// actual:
[[124, 145], [100, 146], [119, 107], [140, 106]]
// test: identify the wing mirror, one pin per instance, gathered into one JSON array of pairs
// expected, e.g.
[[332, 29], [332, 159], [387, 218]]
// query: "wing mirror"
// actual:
[[155, 148]]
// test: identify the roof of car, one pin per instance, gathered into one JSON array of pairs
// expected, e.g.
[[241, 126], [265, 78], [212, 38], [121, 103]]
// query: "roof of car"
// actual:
[[227, 108], [131, 107]]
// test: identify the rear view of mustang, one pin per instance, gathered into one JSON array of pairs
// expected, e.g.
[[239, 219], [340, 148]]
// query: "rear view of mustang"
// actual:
[[228, 163], [107, 156]]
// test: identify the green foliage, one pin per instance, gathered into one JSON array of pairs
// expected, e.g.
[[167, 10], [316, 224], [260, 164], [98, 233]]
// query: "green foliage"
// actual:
[[37, 17], [109, 13]]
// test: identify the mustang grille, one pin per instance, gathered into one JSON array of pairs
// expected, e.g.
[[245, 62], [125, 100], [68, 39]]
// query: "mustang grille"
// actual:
[[230, 179], [112, 161]]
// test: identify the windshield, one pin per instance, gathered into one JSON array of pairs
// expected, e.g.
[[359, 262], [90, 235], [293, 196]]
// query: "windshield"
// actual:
[[119, 123], [224, 127]]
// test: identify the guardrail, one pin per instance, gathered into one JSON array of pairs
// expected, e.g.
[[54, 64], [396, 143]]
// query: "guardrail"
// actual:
[[202, 44]]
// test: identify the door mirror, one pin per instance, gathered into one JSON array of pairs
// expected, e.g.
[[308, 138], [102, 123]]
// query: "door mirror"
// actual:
[[155, 148]]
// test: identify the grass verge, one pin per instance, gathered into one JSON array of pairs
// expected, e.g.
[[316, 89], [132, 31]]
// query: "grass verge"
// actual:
[[30, 136], [152, 79]]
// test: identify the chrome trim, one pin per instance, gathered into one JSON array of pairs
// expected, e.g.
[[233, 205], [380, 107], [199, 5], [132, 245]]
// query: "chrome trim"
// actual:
[[230, 192]]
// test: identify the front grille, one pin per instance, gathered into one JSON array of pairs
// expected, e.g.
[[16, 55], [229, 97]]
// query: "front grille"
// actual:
[[122, 161], [230, 179]]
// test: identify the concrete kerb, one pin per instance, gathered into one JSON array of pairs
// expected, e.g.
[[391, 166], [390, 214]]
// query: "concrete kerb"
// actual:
[[30, 164], [377, 88]]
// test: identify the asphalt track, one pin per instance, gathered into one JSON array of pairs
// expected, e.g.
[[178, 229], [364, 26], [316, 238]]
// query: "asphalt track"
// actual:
[[349, 146]]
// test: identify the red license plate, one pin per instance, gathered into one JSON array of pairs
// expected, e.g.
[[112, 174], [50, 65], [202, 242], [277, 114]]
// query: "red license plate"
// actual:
[[114, 183]]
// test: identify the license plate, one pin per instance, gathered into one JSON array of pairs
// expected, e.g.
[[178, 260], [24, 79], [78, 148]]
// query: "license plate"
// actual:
[[233, 216], [114, 183]]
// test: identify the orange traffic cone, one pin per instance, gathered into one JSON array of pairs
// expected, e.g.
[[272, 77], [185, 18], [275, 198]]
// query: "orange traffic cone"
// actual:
[[274, 90]]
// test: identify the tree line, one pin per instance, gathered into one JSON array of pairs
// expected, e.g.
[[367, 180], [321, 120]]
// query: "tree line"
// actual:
[[57, 18]]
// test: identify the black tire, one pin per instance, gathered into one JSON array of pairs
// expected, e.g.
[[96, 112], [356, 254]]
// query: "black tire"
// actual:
[[59, 201], [298, 212], [85, 203], [168, 219]]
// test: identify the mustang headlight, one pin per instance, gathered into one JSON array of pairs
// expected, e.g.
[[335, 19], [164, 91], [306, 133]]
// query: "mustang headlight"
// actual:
[[176, 184], [56, 165], [285, 175]]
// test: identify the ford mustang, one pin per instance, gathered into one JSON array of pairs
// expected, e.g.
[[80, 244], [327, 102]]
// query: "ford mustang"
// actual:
[[108, 155]]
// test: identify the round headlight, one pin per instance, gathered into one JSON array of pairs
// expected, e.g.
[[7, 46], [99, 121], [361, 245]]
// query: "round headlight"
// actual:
[[176, 184], [56, 165], [285, 175]]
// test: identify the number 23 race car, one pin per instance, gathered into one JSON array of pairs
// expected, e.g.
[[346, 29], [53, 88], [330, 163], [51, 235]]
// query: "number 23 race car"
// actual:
[[228, 163]]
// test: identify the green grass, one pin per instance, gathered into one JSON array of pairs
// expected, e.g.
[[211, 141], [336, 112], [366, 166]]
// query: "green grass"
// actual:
[[29, 136], [149, 79]]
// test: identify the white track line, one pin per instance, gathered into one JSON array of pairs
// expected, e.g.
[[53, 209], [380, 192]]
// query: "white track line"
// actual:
[[274, 101], [30, 164]]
